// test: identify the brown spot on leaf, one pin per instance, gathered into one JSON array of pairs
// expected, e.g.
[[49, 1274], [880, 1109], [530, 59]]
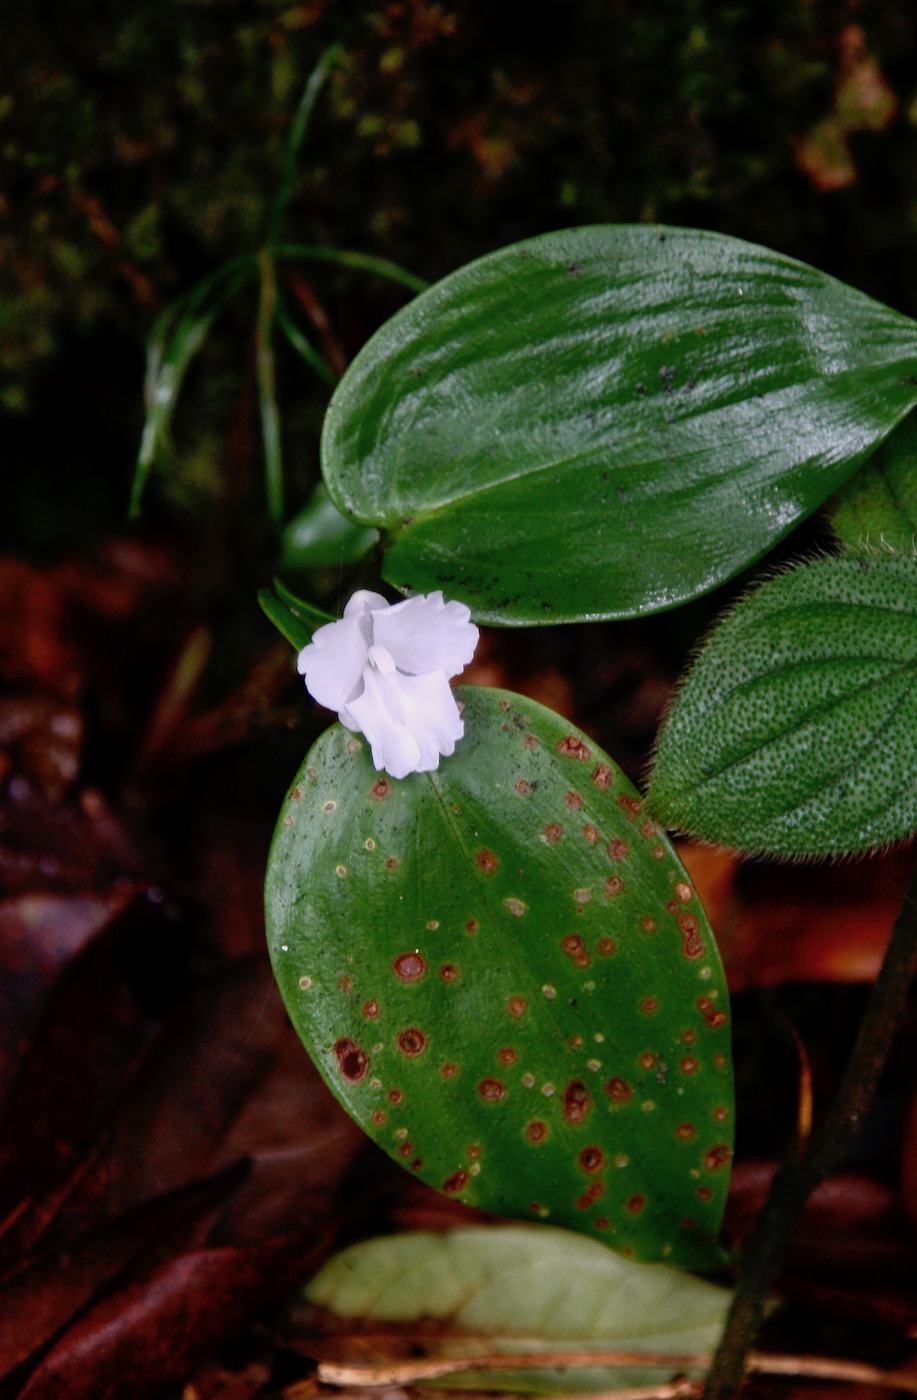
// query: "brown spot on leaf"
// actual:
[[684, 892], [574, 800], [379, 1117], [717, 1157], [353, 1061], [716, 1020], [635, 1204], [688, 1037], [614, 886], [649, 1006], [412, 1042], [648, 924], [572, 944], [449, 1071], [704, 1193], [346, 983], [395, 1096], [619, 1090], [471, 926], [409, 967], [486, 861], [692, 944], [686, 1132], [536, 1132], [517, 1006], [576, 1102], [573, 747], [391, 862], [602, 776], [457, 1182], [405, 1149], [507, 1055], [606, 947], [492, 1090], [552, 832], [590, 1195], [648, 1060], [688, 1065], [618, 849], [370, 1010], [591, 833], [448, 972], [522, 787], [381, 789], [592, 1159]]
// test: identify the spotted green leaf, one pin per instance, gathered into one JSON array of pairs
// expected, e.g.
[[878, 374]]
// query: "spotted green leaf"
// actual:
[[876, 511], [795, 733], [505, 975], [527, 1289], [604, 422]]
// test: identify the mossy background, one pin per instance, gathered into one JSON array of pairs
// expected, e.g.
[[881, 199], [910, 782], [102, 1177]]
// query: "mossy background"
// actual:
[[141, 147]]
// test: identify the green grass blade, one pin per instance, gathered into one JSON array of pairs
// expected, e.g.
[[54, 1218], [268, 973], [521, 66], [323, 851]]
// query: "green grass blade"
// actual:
[[178, 334], [359, 262]]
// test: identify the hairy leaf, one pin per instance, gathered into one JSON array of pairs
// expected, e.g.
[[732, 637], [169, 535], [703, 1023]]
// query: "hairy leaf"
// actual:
[[795, 732], [606, 421], [876, 511]]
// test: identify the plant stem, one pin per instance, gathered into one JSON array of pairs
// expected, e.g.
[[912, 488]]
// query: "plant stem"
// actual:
[[824, 1152]]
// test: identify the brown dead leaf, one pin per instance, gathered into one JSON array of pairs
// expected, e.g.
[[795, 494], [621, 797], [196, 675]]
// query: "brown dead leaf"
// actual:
[[42, 1296], [852, 1231], [803, 923], [863, 101], [147, 1336]]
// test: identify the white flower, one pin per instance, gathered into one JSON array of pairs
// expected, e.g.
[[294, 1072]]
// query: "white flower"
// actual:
[[385, 669]]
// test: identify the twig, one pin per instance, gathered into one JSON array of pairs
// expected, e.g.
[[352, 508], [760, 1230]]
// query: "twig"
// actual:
[[384, 1374], [824, 1152]]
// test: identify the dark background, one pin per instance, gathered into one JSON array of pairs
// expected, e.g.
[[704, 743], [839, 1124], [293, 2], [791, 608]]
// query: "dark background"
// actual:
[[169, 1164]]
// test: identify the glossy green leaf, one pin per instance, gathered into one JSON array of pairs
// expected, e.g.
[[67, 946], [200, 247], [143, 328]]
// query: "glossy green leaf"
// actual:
[[607, 421], [321, 537], [876, 511], [293, 617], [795, 732], [541, 1289], [505, 975]]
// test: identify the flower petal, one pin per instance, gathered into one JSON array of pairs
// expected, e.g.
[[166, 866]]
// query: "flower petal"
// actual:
[[334, 661], [364, 601], [424, 634], [392, 745], [409, 721]]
